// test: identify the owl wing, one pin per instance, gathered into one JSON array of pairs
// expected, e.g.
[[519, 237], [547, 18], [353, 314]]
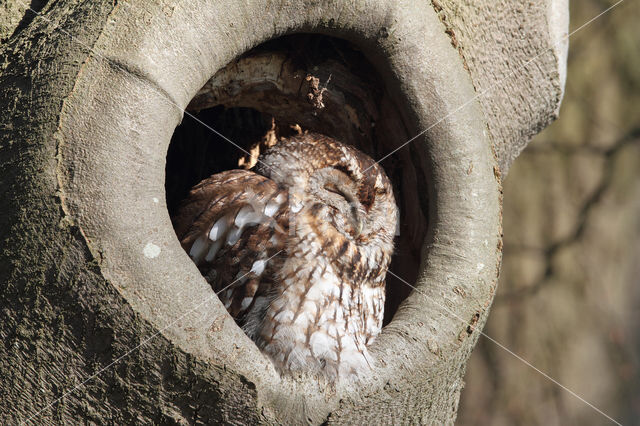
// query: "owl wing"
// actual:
[[234, 226]]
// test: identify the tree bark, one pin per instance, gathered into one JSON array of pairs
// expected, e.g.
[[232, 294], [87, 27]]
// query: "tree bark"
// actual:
[[105, 319]]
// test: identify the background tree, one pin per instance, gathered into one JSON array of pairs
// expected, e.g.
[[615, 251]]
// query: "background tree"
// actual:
[[568, 297]]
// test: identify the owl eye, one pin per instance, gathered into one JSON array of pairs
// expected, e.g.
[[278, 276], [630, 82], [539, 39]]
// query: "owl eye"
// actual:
[[334, 189], [353, 202], [381, 191]]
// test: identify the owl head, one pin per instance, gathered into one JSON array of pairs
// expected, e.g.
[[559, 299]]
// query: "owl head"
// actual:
[[337, 183]]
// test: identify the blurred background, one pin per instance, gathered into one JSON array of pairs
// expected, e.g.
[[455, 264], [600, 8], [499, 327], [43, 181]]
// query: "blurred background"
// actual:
[[568, 300]]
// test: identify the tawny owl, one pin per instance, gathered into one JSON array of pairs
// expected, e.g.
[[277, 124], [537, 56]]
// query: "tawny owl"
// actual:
[[305, 242]]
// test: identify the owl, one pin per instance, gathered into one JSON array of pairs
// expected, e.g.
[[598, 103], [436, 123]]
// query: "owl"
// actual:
[[297, 251]]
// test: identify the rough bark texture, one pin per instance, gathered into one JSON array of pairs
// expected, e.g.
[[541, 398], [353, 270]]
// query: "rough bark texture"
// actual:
[[61, 320], [516, 53], [92, 92]]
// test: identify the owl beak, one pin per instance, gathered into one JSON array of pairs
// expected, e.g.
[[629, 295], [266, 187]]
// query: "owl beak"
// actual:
[[359, 226]]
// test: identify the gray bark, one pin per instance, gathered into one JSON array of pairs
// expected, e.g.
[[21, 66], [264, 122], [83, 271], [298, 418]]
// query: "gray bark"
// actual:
[[105, 319]]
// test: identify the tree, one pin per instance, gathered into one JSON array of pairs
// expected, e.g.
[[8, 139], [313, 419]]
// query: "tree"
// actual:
[[104, 318], [571, 233]]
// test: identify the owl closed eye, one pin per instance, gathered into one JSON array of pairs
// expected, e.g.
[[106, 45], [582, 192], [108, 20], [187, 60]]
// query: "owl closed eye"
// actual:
[[300, 248]]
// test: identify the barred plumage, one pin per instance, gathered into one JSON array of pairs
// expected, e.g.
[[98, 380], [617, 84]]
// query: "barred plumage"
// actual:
[[308, 238]]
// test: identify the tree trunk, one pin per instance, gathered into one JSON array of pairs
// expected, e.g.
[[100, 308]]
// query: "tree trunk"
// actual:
[[104, 317]]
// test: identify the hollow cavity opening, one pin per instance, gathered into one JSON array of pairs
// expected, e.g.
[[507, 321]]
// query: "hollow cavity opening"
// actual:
[[299, 83]]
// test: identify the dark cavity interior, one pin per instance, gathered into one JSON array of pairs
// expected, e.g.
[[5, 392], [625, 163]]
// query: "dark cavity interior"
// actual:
[[299, 83]]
